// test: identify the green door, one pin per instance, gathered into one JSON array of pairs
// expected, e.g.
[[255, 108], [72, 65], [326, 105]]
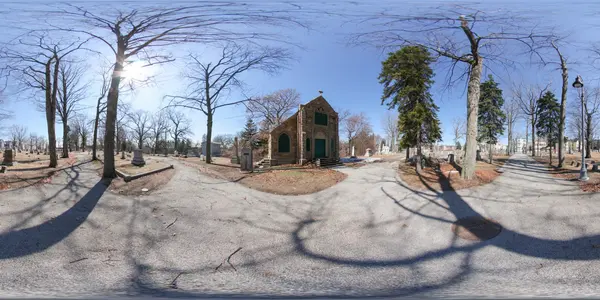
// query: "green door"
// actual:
[[320, 146]]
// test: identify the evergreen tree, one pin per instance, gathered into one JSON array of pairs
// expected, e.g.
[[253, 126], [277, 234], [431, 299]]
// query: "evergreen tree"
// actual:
[[406, 77], [491, 117], [548, 111], [249, 134], [458, 145]]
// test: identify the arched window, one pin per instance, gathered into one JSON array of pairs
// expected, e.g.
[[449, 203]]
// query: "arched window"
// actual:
[[307, 144], [284, 143]]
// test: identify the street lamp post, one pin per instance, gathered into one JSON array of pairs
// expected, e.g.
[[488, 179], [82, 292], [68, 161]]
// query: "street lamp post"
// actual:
[[578, 84]]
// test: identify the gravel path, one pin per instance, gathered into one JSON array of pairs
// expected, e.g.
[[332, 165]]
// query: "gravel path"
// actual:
[[369, 235]]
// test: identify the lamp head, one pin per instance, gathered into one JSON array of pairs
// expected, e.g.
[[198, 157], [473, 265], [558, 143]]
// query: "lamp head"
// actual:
[[578, 82]]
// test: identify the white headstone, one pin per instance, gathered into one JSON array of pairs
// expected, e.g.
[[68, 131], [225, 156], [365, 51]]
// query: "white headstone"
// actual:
[[352, 154]]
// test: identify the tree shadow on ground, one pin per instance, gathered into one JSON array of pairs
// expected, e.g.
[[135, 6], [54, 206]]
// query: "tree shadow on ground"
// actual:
[[22, 242]]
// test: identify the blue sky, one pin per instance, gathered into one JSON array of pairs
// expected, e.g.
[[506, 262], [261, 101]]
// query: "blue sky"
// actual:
[[347, 75]]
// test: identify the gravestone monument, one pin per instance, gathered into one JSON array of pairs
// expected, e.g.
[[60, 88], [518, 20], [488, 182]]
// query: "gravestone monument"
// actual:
[[352, 153], [235, 159], [8, 157], [246, 164], [138, 158], [369, 152]]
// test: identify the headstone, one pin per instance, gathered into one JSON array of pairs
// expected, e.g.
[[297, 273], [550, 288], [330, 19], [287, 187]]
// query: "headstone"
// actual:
[[138, 158], [578, 164], [352, 153], [175, 153], [2, 169], [246, 157], [8, 157], [451, 158], [595, 168], [369, 152]]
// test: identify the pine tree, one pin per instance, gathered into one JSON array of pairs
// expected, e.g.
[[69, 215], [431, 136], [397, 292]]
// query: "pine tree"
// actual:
[[407, 77], [249, 134], [548, 111], [458, 145], [491, 117]]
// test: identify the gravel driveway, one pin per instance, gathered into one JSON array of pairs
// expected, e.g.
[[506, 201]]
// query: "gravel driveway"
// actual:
[[368, 236]]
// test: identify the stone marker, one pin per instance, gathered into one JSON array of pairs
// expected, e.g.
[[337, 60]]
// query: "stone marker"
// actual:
[[369, 152], [352, 153], [2, 169], [595, 168], [138, 158], [578, 164], [246, 158], [175, 153], [8, 157]]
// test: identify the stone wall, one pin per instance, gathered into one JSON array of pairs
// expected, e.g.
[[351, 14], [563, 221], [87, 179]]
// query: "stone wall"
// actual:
[[290, 128]]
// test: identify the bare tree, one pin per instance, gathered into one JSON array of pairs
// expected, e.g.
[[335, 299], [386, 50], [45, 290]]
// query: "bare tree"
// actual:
[[591, 106], [459, 128], [18, 133], [35, 61], [81, 126], [355, 124], [159, 126], [100, 108], [271, 110], [142, 31], [180, 126], [390, 125], [463, 35], [211, 82], [527, 99], [121, 122], [140, 126], [512, 113], [72, 90]]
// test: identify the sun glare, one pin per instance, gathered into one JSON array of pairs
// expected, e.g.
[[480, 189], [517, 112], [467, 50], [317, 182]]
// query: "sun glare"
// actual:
[[135, 71]]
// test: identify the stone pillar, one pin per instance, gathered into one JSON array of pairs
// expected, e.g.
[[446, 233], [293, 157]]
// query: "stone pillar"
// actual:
[[8, 157], [352, 153], [138, 158]]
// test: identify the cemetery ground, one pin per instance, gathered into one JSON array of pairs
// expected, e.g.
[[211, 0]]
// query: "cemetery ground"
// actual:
[[448, 175], [281, 180], [30, 169], [369, 235], [142, 185], [571, 168]]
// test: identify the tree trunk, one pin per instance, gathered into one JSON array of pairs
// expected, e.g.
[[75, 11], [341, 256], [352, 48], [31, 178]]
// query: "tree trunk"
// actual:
[[95, 141], [469, 162], [490, 154], [156, 144], [588, 137], [533, 145], [209, 118], [209, 123], [111, 116], [510, 141], [561, 121], [51, 112], [65, 151], [407, 154]]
